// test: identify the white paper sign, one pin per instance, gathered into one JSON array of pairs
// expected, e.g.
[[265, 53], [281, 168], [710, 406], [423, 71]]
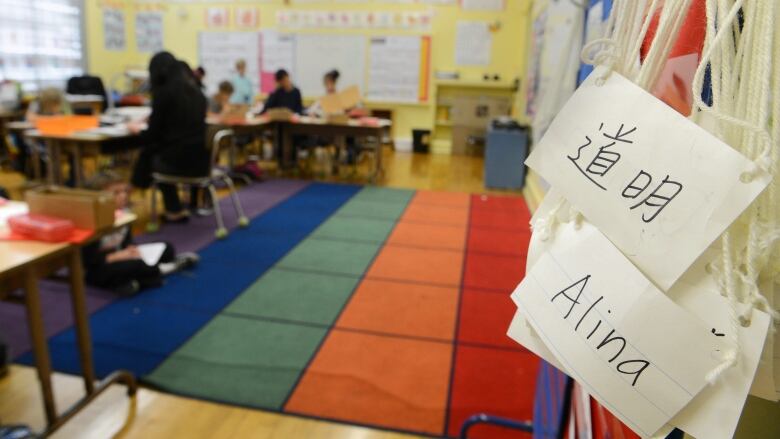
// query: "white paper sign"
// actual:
[[149, 32], [714, 413], [610, 328], [482, 5], [113, 29], [473, 43], [658, 186], [394, 68]]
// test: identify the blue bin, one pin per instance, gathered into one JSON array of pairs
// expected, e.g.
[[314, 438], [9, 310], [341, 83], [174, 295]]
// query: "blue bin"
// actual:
[[505, 152]]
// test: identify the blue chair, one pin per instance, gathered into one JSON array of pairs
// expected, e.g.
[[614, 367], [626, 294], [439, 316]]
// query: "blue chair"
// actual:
[[551, 408]]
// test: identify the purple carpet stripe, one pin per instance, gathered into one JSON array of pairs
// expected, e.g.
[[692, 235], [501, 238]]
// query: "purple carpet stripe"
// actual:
[[55, 295]]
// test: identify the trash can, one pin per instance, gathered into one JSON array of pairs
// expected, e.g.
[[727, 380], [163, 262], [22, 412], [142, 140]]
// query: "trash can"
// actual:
[[506, 148], [421, 141]]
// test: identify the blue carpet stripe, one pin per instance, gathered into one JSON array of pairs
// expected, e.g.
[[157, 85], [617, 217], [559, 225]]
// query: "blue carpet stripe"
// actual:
[[138, 333]]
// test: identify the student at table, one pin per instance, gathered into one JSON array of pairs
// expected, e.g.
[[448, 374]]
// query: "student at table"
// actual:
[[329, 81], [174, 142], [286, 95], [50, 102], [219, 103], [243, 90]]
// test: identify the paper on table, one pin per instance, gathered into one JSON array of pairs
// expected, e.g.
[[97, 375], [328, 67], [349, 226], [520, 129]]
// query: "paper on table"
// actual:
[[152, 252], [714, 413], [578, 290], [658, 186]]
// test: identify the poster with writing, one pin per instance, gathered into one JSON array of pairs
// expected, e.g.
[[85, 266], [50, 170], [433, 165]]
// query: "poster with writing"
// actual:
[[149, 32], [218, 52], [473, 43], [114, 29], [609, 327], [658, 186], [398, 68]]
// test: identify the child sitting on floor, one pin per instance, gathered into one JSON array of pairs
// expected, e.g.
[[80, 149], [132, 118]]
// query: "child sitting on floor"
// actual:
[[115, 263]]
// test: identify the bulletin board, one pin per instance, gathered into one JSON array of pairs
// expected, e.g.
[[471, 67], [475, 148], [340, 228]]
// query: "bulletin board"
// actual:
[[385, 68], [316, 54], [218, 52]]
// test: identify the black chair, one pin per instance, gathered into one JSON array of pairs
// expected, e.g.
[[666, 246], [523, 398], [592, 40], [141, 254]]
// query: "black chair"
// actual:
[[86, 85]]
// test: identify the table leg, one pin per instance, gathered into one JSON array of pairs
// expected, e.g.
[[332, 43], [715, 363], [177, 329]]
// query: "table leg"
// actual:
[[78, 171], [377, 158], [40, 349], [80, 318], [35, 156], [287, 147], [55, 173]]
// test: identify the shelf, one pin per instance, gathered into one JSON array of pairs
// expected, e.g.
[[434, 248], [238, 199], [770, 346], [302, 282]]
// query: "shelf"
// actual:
[[509, 86]]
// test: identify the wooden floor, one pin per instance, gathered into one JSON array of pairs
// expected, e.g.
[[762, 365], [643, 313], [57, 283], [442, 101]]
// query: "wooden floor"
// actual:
[[153, 414]]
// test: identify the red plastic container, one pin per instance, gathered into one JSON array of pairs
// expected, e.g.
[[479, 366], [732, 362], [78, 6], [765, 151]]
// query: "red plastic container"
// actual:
[[41, 227]]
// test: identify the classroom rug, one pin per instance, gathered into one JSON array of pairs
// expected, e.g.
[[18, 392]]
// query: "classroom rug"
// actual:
[[372, 306]]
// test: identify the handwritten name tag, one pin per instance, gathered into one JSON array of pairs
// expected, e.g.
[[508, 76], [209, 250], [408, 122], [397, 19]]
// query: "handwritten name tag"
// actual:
[[714, 413], [631, 347], [658, 186]]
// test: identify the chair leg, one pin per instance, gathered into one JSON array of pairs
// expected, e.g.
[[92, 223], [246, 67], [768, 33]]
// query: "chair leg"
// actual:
[[243, 221], [221, 230], [153, 225]]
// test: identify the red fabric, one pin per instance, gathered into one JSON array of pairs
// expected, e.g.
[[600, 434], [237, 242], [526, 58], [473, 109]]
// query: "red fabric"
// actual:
[[484, 319], [691, 36], [495, 381], [78, 236]]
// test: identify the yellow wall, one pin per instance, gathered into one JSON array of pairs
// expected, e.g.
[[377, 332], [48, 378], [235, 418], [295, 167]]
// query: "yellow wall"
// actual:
[[183, 21]]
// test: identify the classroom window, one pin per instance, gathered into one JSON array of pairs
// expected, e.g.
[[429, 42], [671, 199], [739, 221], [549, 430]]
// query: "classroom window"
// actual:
[[40, 42]]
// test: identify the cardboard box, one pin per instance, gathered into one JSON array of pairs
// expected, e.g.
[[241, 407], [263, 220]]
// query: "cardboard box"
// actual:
[[468, 141], [92, 210], [279, 114], [342, 101]]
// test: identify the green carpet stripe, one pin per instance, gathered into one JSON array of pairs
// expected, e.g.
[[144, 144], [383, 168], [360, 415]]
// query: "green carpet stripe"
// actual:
[[249, 362], [289, 295], [258, 363], [354, 228]]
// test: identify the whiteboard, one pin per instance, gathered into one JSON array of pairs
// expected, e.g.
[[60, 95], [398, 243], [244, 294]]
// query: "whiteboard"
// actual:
[[316, 54], [219, 51], [394, 69]]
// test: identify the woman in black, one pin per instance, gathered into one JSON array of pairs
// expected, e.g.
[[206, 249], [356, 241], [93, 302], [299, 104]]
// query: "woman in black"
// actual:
[[174, 142]]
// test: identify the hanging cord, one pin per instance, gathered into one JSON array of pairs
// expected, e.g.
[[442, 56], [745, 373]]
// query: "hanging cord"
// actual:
[[741, 71]]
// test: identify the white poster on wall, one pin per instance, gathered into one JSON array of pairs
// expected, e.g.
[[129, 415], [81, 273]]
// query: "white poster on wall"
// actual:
[[149, 32], [277, 51], [473, 43], [114, 29], [219, 51], [394, 70], [482, 5]]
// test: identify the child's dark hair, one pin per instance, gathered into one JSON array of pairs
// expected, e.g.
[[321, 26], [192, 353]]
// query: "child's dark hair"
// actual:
[[226, 87], [281, 74], [333, 75]]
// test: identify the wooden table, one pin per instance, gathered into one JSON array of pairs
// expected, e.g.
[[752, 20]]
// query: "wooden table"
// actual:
[[80, 144], [339, 131], [22, 264]]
